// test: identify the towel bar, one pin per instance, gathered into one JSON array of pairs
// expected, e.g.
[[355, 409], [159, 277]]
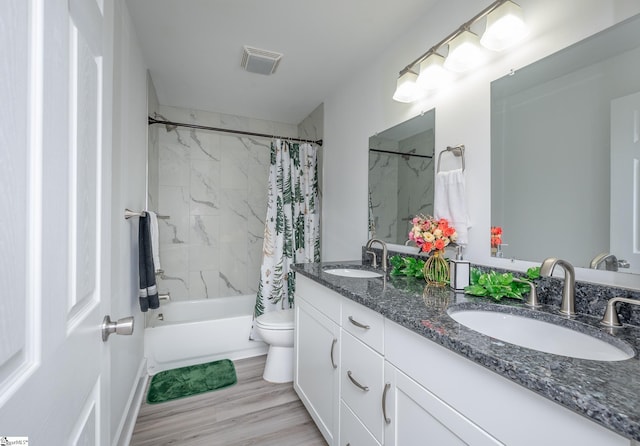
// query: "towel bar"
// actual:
[[128, 213], [457, 151]]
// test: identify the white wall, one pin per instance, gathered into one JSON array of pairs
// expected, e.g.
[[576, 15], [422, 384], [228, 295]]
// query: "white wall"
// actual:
[[364, 106], [129, 190]]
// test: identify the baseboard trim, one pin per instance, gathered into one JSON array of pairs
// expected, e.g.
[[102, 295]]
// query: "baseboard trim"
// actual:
[[128, 421]]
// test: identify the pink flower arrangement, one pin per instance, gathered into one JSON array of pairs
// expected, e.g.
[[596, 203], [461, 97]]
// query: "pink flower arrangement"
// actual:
[[431, 234]]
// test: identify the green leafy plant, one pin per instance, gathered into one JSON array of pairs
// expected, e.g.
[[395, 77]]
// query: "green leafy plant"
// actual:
[[406, 266], [533, 273], [497, 286]]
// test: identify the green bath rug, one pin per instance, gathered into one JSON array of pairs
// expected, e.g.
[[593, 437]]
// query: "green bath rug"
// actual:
[[191, 380]]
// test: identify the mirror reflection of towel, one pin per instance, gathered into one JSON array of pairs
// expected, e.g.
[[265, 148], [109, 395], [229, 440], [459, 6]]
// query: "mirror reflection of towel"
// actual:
[[450, 202], [148, 292]]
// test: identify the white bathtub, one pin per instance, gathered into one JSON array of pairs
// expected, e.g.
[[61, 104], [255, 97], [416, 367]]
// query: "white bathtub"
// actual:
[[197, 331]]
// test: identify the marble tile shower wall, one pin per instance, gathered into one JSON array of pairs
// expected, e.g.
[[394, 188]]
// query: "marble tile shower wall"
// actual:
[[383, 190], [415, 181], [153, 156], [153, 153], [213, 186], [400, 186]]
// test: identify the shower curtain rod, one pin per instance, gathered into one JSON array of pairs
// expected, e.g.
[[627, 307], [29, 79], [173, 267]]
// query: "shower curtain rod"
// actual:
[[391, 152], [171, 125]]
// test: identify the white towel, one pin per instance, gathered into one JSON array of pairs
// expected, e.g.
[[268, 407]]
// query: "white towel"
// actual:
[[450, 202], [155, 245]]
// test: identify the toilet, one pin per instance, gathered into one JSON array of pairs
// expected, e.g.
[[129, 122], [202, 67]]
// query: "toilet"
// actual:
[[276, 329]]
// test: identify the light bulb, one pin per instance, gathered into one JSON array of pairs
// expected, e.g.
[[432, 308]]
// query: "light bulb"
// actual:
[[505, 27], [407, 89], [464, 52], [433, 75]]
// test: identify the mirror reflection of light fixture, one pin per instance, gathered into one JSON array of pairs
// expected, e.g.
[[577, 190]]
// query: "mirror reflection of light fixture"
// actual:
[[407, 89], [504, 27], [433, 74], [465, 52]]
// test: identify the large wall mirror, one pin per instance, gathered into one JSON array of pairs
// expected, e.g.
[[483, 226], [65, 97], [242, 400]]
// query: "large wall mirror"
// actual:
[[401, 177], [565, 154]]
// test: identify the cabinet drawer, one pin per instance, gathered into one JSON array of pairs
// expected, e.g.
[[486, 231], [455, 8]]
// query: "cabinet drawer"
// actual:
[[352, 431], [361, 377], [364, 324], [321, 297]]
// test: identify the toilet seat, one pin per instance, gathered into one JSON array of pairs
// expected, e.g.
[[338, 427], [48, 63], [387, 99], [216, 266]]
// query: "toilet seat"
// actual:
[[276, 320]]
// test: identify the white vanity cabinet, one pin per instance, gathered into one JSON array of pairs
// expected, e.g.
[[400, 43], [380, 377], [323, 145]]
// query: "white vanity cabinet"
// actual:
[[368, 381], [317, 355]]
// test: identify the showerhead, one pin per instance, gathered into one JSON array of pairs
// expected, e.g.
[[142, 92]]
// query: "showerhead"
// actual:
[[170, 127]]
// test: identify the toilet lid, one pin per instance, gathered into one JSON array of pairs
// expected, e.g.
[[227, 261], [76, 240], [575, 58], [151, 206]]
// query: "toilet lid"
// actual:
[[280, 320]]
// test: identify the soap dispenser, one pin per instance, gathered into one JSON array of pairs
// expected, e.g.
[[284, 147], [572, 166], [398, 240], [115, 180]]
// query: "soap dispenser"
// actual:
[[459, 271]]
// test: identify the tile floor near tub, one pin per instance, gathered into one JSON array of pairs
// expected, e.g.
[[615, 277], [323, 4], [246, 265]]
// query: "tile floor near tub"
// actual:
[[252, 412]]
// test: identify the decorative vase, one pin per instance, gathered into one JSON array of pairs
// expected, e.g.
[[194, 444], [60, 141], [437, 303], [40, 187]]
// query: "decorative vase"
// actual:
[[436, 269]]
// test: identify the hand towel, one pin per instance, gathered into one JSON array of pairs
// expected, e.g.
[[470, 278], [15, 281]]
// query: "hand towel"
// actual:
[[148, 293], [450, 202], [155, 246]]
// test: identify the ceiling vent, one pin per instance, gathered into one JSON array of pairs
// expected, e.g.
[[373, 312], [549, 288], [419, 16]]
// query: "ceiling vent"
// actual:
[[255, 60]]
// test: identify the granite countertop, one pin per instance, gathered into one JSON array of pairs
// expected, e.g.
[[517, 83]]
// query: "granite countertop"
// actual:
[[606, 392]]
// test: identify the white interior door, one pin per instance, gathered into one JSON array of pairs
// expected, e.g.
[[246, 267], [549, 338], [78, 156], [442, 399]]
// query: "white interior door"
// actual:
[[625, 181], [54, 226]]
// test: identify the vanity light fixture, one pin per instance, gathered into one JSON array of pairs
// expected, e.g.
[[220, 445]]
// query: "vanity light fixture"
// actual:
[[504, 26]]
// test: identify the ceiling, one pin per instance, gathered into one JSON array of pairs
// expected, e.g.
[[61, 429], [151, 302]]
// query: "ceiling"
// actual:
[[193, 49]]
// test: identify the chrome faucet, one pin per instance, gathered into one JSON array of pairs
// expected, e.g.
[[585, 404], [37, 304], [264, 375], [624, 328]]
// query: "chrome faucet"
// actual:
[[532, 301], [383, 261], [166, 297], [610, 262], [610, 318], [568, 305]]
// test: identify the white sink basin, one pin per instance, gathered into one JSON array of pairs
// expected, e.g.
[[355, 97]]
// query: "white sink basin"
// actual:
[[354, 273], [540, 335]]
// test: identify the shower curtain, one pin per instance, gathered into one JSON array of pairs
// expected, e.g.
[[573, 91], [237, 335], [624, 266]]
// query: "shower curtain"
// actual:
[[292, 226]]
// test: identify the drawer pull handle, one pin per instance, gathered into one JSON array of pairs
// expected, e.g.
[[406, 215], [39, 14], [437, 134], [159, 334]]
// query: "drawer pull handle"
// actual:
[[356, 383], [387, 420], [358, 324], [333, 345]]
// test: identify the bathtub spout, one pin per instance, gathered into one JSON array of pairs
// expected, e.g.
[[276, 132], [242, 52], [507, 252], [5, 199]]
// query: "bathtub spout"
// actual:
[[165, 297]]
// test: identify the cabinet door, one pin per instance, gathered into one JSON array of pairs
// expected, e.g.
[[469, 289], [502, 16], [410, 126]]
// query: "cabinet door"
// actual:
[[316, 376], [415, 416]]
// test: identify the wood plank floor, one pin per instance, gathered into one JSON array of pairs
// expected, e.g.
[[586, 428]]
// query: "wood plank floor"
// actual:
[[252, 412]]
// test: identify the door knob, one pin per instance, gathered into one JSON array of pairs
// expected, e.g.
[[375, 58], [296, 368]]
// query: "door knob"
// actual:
[[122, 326]]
